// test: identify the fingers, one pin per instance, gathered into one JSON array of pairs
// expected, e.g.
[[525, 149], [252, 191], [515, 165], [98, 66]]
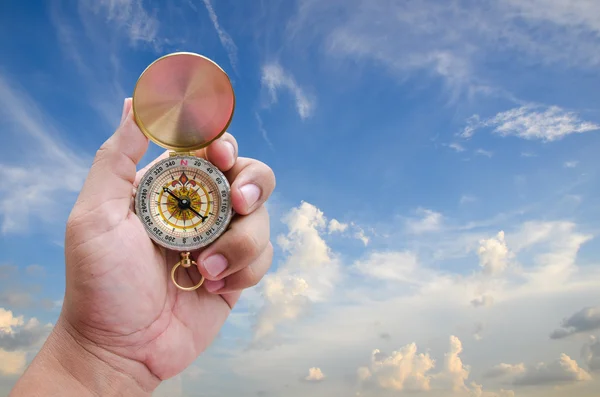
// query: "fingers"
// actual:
[[113, 171], [244, 278], [253, 183], [222, 153], [237, 248]]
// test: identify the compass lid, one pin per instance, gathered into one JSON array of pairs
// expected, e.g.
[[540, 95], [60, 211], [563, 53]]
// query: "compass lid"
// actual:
[[183, 101]]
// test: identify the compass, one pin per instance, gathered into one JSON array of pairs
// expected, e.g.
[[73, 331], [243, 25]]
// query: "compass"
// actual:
[[183, 102]]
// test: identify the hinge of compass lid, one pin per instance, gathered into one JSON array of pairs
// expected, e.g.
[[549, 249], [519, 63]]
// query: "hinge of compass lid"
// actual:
[[173, 154]]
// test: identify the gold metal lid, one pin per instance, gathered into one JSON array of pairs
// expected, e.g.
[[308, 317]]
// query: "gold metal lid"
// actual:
[[183, 101]]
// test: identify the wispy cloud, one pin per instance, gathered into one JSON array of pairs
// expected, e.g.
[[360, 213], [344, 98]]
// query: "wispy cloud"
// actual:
[[457, 147], [49, 179], [262, 130], [449, 39], [571, 164], [429, 221], [127, 16], [532, 122], [275, 78], [224, 37], [483, 152]]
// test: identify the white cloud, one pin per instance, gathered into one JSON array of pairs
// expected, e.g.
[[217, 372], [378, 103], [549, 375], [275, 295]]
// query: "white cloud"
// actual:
[[12, 363], [562, 370], [502, 370], [532, 122], [591, 353], [360, 234], [275, 78], [403, 369], [315, 375], [17, 338], [224, 37], [48, 178], [337, 226], [570, 164], [494, 255], [359, 310], [391, 266], [430, 221], [455, 373], [306, 275]]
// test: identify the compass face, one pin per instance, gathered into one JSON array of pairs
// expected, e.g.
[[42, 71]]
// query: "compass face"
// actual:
[[184, 203]]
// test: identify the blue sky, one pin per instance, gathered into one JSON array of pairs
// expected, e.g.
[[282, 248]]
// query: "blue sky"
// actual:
[[435, 217]]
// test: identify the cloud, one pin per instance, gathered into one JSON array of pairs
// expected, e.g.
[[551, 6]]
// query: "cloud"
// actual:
[[402, 370], [482, 152], [454, 373], [314, 375], [51, 179], [450, 40], [12, 363], [570, 164], [360, 234], [390, 266], [430, 221], [478, 330], [466, 199], [262, 130], [337, 226], [17, 338], [483, 300], [16, 298], [494, 255], [275, 78], [127, 16], [502, 370], [357, 312], [585, 320], [7, 271], [307, 274], [562, 370], [35, 270], [457, 147], [406, 370], [591, 353], [532, 122], [224, 38]]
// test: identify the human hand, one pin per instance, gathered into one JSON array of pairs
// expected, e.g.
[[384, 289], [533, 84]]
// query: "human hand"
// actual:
[[120, 305]]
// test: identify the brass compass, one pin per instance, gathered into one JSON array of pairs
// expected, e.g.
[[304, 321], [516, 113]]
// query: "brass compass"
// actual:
[[183, 102]]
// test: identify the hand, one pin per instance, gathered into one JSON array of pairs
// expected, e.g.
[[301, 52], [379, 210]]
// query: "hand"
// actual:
[[120, 305]]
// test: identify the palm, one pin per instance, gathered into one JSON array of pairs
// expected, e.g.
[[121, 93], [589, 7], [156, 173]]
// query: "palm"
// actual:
[[125, 300]]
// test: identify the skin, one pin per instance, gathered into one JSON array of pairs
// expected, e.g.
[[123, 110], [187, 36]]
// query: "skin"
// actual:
[[124, 326]]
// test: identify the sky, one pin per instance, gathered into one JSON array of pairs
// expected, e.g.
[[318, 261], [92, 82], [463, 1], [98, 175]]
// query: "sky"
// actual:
[[435, 220]]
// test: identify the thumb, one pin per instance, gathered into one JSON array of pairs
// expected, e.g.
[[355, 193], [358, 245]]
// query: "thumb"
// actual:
[[109, 185]]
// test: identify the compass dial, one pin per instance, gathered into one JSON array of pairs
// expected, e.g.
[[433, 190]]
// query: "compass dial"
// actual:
[[184, 203]]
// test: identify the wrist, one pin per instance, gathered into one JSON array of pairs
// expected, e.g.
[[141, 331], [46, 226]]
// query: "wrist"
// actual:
[[69, 365]]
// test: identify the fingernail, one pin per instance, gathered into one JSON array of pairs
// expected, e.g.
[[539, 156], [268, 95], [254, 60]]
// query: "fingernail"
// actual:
[[231, 149], [251, 194], [213, 286], [215, 264]]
